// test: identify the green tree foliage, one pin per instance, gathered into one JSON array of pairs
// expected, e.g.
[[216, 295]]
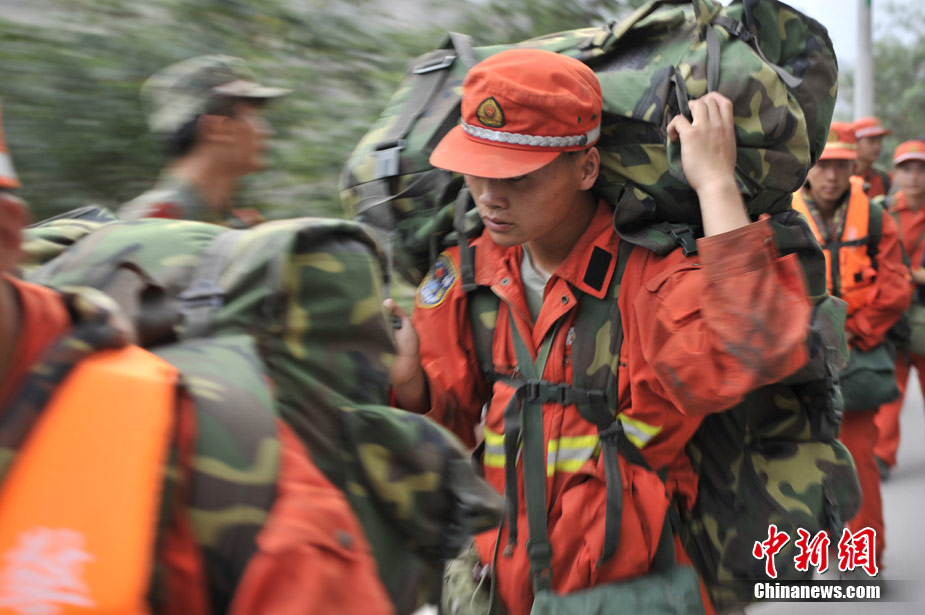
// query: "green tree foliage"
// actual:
[[71, 69], [899, 76]]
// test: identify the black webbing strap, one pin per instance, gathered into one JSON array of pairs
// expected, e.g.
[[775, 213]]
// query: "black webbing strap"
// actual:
[[203, 297]]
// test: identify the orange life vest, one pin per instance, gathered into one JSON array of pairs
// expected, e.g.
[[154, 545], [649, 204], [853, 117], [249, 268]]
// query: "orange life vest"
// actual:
[[79, 507], [850, 271]]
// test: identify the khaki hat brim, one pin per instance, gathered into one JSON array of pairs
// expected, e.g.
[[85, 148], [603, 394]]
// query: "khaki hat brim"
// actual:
[[247, 89], [459, 153]]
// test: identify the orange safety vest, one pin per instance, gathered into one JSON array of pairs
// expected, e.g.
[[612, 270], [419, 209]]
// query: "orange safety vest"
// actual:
[[852, 274], [79, 507]]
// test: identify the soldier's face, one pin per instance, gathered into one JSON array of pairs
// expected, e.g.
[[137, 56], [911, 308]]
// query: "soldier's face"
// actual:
[[829, 179], [869, 148], [250, 133], [910, 177], [543, 205]]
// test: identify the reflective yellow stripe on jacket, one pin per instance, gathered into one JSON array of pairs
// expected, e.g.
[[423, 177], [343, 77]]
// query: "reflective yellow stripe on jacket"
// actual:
[[569, 453]]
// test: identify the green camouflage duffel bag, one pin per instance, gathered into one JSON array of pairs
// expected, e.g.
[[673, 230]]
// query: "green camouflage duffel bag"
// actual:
[[307, 292], [776, 65]]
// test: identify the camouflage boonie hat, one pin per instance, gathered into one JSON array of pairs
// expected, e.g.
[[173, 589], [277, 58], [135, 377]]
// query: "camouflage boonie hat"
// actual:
[[180, 92]]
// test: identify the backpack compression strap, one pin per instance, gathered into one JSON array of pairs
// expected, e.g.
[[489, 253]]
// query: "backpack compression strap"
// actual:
[[526, 407]]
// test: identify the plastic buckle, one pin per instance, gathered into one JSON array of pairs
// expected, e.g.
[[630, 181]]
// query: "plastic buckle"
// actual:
[[438, 64], [612, 432], [686, 240], [202, 295], [387, 158], [531, 390]]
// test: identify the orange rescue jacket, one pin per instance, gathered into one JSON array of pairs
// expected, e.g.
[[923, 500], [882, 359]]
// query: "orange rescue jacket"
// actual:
[[77, 530], [850, 271]]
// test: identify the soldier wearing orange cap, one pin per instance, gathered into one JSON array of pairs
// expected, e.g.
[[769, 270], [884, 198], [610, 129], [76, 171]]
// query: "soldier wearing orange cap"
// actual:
[[908, 207], [526, 147], [869, 133], [873, 280]]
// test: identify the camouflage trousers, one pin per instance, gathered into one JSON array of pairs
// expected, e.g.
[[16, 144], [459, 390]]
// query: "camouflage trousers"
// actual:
[[467, 586]]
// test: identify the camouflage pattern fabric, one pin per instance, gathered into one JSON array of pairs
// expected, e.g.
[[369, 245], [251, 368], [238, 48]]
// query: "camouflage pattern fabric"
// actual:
[[182, 91], [51, 237], [776, 65], [176, 198], [308, 293], [236, 459]]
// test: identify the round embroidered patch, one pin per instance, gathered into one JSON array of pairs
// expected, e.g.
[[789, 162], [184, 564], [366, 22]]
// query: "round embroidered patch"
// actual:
[[440, 279], [490, 114]]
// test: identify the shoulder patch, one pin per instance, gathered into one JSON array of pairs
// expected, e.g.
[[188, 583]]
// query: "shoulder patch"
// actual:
[[438, 282]]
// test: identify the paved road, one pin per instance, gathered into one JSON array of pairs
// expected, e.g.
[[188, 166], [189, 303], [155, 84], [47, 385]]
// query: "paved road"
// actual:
[[904, 509]]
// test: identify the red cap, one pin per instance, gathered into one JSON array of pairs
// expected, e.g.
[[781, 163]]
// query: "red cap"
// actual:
[[7, 174], [909, 150], [520, 109], [869, 127], [841, 143]]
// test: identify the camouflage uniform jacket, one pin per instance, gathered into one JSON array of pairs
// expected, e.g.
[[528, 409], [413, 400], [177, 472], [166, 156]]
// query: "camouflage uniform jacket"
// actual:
[[700, 332], [174, 197]]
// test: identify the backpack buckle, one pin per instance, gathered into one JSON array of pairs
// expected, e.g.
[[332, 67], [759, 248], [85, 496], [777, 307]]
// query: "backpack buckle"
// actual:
[[387, 158], [202, 295], [685, 238], [437, 64]]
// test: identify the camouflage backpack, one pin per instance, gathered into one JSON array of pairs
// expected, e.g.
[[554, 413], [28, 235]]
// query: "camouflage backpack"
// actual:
[[776, 65], [304, 295]]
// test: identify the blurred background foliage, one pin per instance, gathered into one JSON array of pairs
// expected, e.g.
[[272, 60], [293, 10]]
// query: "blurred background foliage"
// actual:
[[70, 72]]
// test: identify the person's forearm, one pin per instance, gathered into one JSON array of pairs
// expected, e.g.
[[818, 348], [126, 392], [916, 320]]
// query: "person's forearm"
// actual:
[[722, 207], [413, 394]]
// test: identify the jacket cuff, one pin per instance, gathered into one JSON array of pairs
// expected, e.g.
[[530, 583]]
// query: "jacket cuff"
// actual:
[[735, 252]]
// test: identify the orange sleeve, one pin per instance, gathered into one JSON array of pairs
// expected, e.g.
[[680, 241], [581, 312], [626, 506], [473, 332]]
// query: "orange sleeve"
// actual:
[[456, 384], [889, 296], [312, 554], [716, 329]]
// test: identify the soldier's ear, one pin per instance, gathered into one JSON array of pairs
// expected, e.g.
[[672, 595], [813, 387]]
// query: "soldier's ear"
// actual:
[[13, 215], [213, 129], [590, 167]]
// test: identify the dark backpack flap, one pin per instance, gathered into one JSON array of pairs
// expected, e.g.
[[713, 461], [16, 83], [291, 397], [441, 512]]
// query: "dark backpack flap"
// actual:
[[869, 378]]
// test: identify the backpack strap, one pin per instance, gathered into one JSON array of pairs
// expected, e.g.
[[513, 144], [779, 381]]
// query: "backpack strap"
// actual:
[[204, 296], [874, 232]]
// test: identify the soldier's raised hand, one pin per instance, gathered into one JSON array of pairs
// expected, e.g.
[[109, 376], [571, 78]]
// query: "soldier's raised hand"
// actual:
[[708, 156]]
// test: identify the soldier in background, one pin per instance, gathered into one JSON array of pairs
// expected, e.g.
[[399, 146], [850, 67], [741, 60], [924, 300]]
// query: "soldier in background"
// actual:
[[208, 113], [90, 519], [869, 133], [874, 281], [908, 207]]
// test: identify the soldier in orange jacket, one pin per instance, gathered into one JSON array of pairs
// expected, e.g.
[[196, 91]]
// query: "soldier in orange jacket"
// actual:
[[906, 205], [526, 147], [838, 211], [311, 554], [869, 133]]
